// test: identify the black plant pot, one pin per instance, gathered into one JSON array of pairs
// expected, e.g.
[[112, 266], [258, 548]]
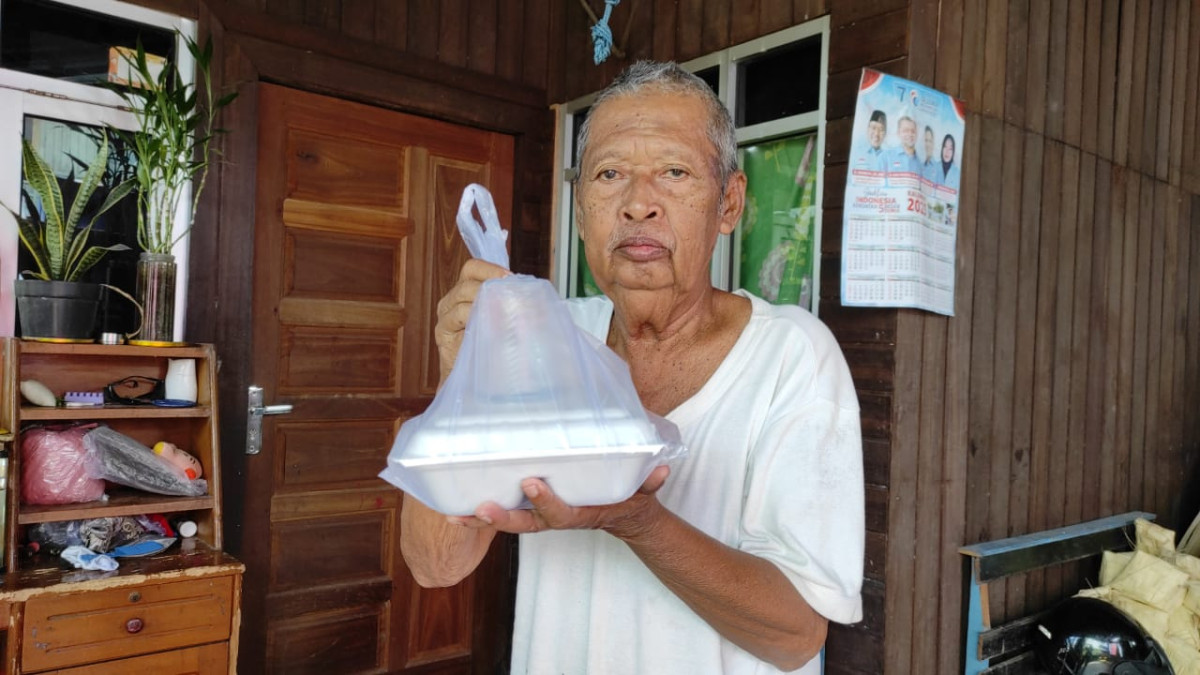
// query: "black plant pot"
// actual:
[[57, 309]]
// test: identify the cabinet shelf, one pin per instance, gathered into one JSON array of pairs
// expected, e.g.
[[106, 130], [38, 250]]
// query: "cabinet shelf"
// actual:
[[112, 412], [46, 573], [91, 367], [120, 503], [116, 351]]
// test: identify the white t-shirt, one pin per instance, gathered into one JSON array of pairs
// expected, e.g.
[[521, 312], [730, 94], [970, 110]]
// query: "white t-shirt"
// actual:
[[774, 469]]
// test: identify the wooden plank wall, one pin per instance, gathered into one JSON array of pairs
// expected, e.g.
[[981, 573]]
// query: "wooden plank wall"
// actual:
[[479, 36], [1064, 388], [482, 36], [862, 35]]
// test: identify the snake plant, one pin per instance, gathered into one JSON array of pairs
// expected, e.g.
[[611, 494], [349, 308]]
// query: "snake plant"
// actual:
[[53, 235]]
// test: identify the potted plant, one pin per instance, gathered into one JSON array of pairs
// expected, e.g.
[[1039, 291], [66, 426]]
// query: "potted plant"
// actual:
[[52, 302], [171, 147]]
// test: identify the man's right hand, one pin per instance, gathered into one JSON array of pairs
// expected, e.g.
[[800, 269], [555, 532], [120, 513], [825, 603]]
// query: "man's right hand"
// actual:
[[549, 512], [454, 308]]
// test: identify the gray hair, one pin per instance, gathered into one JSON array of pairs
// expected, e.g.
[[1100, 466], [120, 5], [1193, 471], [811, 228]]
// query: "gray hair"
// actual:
[[666, 76]]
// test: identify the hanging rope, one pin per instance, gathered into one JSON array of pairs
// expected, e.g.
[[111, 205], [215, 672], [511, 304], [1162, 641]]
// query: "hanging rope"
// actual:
[[602, 34]]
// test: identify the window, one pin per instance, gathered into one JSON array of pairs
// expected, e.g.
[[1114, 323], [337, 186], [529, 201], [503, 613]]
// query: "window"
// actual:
[[70, 43], [52, 54], [774, 87]]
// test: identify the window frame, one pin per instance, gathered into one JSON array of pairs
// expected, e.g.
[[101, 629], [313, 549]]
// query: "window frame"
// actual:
[[25, 94], [564, 262]]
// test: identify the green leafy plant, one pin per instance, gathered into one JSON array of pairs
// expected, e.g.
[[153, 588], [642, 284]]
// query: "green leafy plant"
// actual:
[[172, 143], [54, 239]]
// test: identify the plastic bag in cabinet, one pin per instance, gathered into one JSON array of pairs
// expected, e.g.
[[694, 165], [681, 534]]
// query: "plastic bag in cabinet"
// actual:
[[53, 467], [120, 459]]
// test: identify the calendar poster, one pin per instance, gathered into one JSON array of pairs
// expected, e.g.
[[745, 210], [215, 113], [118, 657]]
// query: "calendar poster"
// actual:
[[900, 218]]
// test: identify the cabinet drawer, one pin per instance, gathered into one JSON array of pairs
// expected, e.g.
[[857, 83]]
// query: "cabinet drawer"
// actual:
[[207, 660], [77, 628]]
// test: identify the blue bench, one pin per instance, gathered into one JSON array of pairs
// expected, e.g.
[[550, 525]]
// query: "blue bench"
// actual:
[[1005, 650]]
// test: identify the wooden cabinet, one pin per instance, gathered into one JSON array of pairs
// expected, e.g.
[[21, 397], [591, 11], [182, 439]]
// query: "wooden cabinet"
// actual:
[[206, 660], [178, 611]]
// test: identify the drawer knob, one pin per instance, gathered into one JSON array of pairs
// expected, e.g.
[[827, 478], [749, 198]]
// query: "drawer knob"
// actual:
[[134, 625], [135, 596]]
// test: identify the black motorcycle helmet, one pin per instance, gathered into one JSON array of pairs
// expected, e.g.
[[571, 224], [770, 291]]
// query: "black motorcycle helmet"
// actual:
[[1088, 636]]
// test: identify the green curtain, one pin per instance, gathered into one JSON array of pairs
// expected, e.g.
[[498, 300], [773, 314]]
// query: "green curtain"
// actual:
[[777, 234]]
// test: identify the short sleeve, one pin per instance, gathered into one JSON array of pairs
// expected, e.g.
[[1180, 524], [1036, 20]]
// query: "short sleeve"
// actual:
[[804, 496], [804, 507]]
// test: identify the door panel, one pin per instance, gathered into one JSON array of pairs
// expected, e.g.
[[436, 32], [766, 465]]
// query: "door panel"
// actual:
[[445, 631], [355, 239], [344, 641], [331, 454], [318, 360]]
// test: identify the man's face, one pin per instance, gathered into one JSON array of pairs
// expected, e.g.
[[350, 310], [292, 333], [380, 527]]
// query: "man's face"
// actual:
[[875, 133], [908, 135], [928, 144], [649, 196]]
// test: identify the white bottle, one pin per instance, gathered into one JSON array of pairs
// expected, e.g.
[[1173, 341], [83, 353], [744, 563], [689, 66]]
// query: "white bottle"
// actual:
[[181, 379]]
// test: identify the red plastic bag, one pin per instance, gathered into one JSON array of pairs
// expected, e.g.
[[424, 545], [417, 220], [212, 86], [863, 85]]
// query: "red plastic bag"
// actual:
[[52, 467]]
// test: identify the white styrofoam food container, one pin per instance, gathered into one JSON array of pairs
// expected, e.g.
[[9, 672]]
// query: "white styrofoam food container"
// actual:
[[455, 467], [457, 485]]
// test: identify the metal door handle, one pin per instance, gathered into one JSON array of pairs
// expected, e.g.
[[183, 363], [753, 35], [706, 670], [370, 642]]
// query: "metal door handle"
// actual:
[[254, 415]]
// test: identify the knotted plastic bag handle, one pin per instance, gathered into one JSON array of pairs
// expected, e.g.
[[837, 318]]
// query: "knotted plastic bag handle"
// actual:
[[485, 241]]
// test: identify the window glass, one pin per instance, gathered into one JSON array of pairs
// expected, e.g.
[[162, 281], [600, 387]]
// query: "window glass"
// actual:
[[777, 232], [780, 83], [711, 76], [585, 283], [69, 43], [69, 149], [581, 116]]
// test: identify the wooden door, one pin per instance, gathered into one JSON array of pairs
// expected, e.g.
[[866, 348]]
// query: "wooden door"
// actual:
[[355, 240]]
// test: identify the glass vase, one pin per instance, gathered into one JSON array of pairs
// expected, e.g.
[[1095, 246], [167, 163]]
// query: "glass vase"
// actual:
[[156, 295]]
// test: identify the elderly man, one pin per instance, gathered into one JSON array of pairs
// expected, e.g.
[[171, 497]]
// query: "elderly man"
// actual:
[[736, 560]]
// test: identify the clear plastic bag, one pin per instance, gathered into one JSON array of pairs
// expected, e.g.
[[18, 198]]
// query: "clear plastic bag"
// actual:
[[53, 469], [120, 459], [530, 395]]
